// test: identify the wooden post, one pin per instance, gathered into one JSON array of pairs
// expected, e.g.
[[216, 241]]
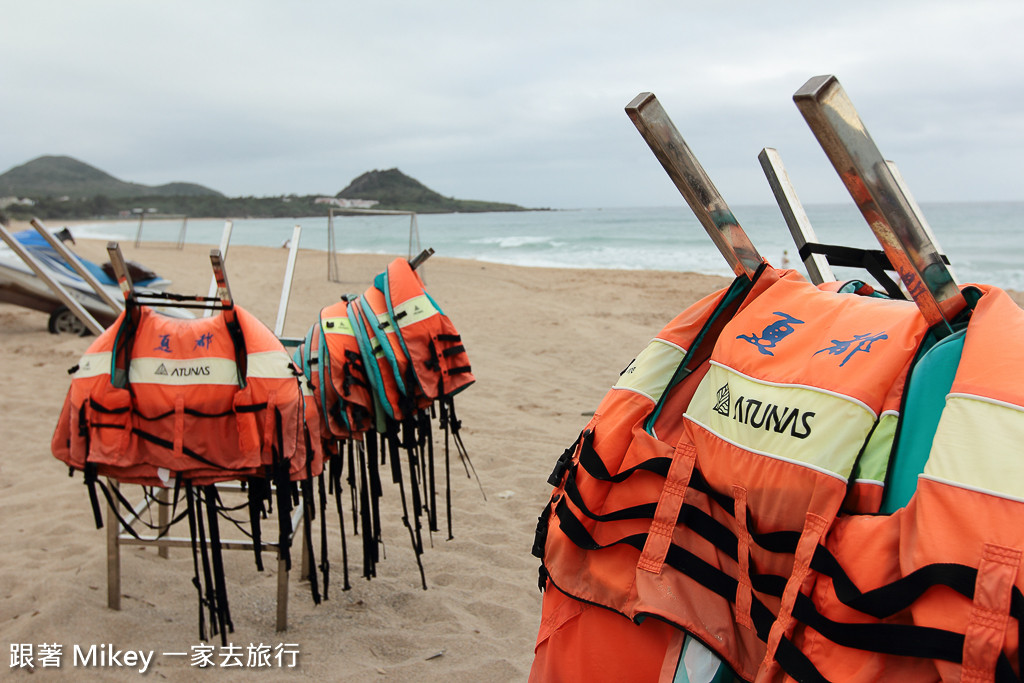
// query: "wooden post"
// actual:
[[181, 233], [113, 552], [282, 593]]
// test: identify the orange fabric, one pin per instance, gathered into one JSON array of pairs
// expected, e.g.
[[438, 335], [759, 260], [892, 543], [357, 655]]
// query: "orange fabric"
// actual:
[[331, 425], [864, 497], [943, 523], [205, 432], [815, 353], [432, 355], [379, 305], [313, 425], [609, 577], [581, 643], [786, 333], [396, 403], [348, 392]]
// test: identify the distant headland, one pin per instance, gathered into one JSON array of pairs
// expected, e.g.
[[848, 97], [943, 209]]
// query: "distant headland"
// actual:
[[61, 187]]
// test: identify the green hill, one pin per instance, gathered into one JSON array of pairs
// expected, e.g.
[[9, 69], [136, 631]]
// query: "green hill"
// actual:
[[59, 176], [65, 188], [397, 191]]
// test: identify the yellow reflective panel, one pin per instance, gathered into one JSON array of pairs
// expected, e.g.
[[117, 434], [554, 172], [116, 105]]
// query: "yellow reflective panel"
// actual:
[[790, 422], [978, 444], [651, 370]]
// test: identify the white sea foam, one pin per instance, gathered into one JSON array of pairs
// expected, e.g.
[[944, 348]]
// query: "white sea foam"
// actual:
[[983, 241], [517, 241]]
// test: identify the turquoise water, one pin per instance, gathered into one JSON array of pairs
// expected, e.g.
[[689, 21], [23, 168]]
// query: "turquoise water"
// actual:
[[983, 241]]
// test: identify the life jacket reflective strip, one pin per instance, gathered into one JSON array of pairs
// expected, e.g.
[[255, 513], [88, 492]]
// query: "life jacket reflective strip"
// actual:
[[782, 407], [346, 388], [428, 337], [182, 409]]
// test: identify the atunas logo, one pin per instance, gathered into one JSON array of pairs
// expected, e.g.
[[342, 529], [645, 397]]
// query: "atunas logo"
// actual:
[[764, 415], [194, 371]]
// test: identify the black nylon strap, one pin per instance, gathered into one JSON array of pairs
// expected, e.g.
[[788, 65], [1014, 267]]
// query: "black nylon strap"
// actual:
[[308, 506], [210, 599], [190, 510], [100, 408], [336, 465], [595, 467], [369, 542], [258, 490], [690, 516], [254, 408], [796, 664], [777, 542], [561, 465], [169, 445], [91, 482], [325, 563], [895, 639], [241, 353], [443, 418], [642, 511], [874, 261], [116, 500], [217, 560], [887, 638]]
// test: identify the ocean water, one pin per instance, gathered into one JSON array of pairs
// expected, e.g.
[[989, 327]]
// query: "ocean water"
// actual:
[[983, 241]]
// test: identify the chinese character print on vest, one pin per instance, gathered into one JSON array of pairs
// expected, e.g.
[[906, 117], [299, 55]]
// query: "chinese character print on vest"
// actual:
[[725, 497]]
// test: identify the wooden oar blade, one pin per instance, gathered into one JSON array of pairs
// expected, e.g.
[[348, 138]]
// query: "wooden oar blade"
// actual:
[[220, 276], [121, 274], [877, 193], [693, 183]]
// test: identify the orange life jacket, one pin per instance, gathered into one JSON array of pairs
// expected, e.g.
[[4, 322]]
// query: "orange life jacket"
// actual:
[[345, 388], [707, 478], [158, 400], [155, 396], [428, 337], [389, 390], [307, 359], [935, 590], [311, 417], [379, 361], [402, 394]]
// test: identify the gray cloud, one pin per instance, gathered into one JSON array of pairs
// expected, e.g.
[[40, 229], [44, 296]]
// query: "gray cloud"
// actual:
[[520, 102]]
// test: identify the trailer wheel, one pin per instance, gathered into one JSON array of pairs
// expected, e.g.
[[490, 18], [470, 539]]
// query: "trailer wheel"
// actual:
[[63, 321]]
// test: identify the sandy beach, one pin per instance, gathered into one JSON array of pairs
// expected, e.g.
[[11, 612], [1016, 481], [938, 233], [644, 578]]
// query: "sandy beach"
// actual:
[[545, 345]]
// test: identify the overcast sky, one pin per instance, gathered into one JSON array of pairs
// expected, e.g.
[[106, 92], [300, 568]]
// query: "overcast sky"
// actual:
[[519, 101]]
